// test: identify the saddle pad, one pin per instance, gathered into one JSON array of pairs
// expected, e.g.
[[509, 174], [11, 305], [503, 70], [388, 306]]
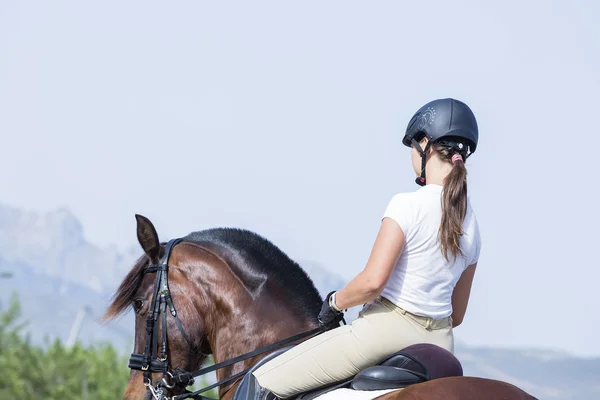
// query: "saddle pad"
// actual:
[[349, 394]]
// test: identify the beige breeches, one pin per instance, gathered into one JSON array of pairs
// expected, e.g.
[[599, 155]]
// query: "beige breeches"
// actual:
[[380, 330]]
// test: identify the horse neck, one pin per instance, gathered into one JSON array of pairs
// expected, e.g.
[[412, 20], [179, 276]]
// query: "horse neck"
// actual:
[[239, 320]]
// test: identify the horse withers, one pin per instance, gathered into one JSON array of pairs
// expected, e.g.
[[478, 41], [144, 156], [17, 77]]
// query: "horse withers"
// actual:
[[233, 294]]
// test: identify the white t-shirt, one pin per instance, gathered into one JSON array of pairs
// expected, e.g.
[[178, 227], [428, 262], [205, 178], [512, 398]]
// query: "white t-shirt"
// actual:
[[423, 280]]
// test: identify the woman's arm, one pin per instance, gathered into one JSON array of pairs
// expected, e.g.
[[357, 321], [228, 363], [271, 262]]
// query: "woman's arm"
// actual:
[[368, 284], [460, 296]]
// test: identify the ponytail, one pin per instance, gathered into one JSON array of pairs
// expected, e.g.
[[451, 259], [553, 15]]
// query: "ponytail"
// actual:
[[454, 203]]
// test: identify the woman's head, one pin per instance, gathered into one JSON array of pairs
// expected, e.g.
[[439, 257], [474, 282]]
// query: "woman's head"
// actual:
[[443, 121], [443, 134]]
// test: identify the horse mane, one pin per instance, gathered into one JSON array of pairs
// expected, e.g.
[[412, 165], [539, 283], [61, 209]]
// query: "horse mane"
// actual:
[[260, 256]]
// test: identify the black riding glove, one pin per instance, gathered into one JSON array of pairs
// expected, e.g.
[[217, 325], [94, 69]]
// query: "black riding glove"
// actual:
[[329, 317]]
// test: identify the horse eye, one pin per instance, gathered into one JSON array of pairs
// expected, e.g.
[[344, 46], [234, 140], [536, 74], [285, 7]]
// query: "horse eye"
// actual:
[[138, 304]]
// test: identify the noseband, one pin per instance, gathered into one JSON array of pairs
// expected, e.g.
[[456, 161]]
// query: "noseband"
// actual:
[[150, 362]]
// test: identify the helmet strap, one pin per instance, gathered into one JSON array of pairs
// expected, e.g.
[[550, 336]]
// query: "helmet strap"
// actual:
[[423, 152]]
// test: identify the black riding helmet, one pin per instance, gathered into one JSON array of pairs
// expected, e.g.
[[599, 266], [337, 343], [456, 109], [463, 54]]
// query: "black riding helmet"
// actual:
[[448, 122]]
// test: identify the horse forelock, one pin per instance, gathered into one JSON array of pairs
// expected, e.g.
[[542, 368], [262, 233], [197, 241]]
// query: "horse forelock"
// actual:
[[124, 295]]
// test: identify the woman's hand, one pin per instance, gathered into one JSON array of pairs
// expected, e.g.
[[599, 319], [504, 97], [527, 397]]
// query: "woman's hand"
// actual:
[[329, 317]]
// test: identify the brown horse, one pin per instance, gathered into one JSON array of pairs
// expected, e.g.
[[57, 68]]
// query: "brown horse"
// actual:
[[229, 292]]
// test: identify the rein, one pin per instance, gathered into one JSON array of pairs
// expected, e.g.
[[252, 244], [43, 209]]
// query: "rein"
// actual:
[[235, 360], [149, 362]]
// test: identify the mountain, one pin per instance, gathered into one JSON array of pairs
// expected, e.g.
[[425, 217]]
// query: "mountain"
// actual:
[[53, 244], [64, 284]]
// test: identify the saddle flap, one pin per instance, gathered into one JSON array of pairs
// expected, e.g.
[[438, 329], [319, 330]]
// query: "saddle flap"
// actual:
[[247, 388]]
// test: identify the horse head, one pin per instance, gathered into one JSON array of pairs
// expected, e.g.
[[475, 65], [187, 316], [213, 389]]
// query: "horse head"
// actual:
[[220, 291]]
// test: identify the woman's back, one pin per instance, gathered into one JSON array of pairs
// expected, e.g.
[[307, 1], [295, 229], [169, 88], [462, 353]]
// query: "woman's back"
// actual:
[[423, 280]]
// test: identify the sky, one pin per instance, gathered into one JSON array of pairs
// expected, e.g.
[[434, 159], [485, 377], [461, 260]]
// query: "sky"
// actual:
[[286, 118]]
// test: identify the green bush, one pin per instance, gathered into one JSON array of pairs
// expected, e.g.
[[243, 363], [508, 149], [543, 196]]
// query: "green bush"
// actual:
[[56, 372]]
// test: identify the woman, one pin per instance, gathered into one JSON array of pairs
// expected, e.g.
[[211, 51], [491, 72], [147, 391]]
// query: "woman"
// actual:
[[418, 277]]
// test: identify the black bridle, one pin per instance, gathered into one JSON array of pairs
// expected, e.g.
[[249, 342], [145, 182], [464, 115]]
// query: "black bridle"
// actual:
[[150, 362]]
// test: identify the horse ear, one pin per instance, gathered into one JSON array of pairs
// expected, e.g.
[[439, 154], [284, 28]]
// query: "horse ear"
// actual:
[[148, 237]]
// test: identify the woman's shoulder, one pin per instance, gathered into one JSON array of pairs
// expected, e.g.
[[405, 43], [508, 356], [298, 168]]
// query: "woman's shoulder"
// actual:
[[402, 196], [402, 199], [401, 208], [419, 198]]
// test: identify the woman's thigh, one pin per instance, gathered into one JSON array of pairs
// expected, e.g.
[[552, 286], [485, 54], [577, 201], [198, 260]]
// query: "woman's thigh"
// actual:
[[338, 354]]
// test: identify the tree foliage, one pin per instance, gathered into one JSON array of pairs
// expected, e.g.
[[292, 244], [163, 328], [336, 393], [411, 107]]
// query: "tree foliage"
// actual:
[[55, 371]]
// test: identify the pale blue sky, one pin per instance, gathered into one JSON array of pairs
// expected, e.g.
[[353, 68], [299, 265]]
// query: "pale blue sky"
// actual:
[[287, 118]]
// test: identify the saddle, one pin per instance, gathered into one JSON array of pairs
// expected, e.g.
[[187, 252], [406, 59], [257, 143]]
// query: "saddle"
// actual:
[[414, 364]]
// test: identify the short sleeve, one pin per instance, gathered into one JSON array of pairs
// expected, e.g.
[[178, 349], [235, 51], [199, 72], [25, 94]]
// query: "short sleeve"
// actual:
[[400, 210]]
